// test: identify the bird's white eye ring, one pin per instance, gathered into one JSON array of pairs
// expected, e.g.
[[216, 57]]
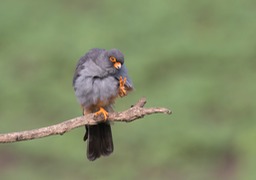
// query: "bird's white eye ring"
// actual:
[[112, 59]]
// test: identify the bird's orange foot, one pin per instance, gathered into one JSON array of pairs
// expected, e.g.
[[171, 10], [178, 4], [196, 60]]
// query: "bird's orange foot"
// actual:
[[122, 91], [102, 111]]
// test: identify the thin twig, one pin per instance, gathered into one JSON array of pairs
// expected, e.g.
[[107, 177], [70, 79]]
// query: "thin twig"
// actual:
[[135, 112]]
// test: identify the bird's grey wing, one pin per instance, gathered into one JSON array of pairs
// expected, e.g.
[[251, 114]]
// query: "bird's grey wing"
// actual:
[[124, 73], [92, 54]]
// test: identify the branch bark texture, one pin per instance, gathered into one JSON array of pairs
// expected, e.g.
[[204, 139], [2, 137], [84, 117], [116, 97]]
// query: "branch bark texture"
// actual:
[[135, 112]]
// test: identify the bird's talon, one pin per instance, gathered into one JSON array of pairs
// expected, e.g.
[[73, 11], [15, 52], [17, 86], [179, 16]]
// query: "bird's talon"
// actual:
[[122, 91], [102, 111]]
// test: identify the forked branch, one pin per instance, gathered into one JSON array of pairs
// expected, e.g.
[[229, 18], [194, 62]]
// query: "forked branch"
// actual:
[[135, 112]]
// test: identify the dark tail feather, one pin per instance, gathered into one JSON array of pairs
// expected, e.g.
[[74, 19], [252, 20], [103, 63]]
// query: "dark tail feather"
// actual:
[[99, 141], [107, 146], [93, 143]]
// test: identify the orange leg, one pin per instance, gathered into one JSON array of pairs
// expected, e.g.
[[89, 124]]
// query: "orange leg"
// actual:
[[122, 91], [85, 111], [102, 111]]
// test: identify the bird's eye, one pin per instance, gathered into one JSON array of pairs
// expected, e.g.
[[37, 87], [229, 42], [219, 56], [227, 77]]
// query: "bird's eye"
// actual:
[[112, 59]]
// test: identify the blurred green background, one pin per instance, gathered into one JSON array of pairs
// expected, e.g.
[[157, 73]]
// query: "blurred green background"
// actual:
[[196, 57]]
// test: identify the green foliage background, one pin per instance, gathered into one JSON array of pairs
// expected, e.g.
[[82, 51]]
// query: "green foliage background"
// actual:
[[195, 57]]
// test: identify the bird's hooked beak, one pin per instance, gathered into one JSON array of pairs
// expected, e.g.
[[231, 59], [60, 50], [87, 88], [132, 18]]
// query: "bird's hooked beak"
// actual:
[[117, 65]]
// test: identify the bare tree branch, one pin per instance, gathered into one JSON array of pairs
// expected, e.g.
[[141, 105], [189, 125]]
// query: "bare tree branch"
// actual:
[[135, 112]]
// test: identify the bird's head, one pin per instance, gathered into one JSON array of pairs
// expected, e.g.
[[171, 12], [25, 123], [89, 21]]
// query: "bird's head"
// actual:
[[110, 61], [116, 58]]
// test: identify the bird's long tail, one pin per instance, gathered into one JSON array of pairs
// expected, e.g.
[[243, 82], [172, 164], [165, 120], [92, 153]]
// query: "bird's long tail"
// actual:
[[99, 140]]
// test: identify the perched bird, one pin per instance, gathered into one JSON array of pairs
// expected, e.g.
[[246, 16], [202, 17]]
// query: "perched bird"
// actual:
[[100, 77]]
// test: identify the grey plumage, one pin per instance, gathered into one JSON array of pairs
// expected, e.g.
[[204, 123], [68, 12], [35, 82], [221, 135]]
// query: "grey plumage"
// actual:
[[96, 84]]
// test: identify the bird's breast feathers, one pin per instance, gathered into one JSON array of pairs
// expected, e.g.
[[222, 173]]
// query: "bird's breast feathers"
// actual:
[[92, 89]]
